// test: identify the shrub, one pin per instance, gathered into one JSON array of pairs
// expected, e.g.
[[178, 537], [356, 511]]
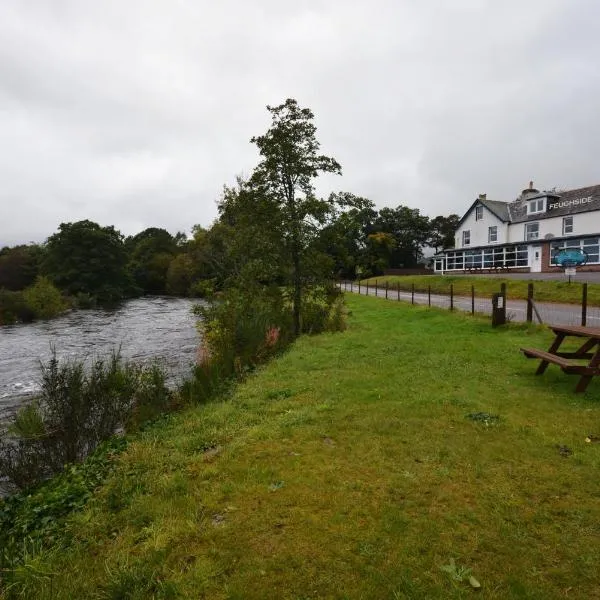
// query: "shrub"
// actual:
[[77, 409], [44, 299], [13, 308]]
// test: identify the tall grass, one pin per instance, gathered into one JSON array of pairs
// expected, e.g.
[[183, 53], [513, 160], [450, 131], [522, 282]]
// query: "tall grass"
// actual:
[[78, 408]]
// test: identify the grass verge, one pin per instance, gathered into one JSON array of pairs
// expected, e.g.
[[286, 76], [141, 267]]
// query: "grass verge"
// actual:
[[516, 289], [349, 468]]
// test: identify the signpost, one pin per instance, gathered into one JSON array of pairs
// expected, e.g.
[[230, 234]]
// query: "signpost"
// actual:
[[570, 259]]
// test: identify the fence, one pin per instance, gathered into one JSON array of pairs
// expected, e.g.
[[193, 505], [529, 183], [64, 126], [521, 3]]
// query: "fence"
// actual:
[[527, 309]]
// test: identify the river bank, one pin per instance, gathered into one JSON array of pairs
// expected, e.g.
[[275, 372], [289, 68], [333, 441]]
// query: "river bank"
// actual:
[[391, 461], [145, 329]]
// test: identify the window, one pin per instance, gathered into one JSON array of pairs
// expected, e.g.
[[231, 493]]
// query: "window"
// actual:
[[536, 206], [591, 246], [492, 234], [567, 225], [466, 238], [478, 213], [532, 231]]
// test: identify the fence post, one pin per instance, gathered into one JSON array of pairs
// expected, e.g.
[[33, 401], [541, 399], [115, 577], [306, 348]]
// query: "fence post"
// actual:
[[376, 288], [367, 287], [386, 289], [429, 295], [584, 305], [398, 289], [529, 302], [472, 299], [498, 310], [451, 296], [412, 294], [359, 286]]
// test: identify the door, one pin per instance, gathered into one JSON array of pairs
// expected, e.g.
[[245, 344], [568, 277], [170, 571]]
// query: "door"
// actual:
[[535, 259]]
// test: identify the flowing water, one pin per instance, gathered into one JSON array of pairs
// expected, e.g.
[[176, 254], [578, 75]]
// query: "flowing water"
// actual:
[[145, 329]]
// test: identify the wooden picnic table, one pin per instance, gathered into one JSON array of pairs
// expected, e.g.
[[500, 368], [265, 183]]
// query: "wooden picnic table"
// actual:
[[571, 362]]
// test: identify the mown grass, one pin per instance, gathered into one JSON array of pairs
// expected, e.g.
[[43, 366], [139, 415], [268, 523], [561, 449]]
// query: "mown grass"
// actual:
[[348, 469], [516, 289]]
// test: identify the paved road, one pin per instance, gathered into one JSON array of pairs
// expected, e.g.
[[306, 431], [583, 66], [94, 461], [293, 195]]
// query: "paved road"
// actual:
[[516, 310]]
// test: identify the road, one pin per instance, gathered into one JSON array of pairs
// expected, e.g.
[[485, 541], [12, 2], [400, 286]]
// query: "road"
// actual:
[[516, 310]]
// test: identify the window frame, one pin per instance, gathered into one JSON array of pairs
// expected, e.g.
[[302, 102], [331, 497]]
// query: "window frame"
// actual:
[[466, 237], [479, 212], [495, 230], [529, 237], [540, 206], [564, 225]]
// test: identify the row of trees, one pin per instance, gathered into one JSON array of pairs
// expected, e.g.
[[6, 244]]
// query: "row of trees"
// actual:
[[271, 228]]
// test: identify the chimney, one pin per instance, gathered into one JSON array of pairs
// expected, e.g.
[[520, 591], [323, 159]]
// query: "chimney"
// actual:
[[530, 191], [482, 196]]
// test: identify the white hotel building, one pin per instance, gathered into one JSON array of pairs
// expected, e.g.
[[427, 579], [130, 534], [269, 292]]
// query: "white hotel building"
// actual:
[[524, 235]]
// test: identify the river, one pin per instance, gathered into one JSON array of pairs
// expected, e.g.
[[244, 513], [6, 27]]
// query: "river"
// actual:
[[145, 329]]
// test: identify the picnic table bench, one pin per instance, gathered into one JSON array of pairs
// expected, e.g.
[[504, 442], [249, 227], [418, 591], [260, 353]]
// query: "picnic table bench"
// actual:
[[571, 362]]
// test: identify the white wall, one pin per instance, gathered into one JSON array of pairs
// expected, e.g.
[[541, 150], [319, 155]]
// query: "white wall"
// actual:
[[583, 224], [479, 229]]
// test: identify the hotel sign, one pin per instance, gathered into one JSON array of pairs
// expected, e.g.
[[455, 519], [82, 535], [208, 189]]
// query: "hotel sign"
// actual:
[[573, 203]]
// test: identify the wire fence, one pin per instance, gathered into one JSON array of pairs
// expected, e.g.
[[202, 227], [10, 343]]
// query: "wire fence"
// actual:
[[528, 310]]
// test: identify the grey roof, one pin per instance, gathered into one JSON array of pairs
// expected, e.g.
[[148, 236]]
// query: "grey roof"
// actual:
[[500, 209], [563, 203], [567, 203]]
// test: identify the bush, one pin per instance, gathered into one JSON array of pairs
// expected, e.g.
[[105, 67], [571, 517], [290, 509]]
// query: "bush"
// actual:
[[44, 299], [13, 308], [77, 409]]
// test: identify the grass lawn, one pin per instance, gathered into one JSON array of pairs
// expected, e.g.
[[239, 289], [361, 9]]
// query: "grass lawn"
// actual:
[[544, 291], [348, 469]]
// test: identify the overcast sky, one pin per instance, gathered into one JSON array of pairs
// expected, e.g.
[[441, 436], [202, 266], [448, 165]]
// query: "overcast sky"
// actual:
[[135, 113]]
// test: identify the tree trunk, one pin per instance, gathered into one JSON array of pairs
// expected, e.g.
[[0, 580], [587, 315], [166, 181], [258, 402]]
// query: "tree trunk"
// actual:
[[297, 279]]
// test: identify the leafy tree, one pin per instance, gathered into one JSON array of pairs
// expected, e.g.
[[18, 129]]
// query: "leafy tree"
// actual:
[[19, 266], [44, 299], [410, 230], [151, 253], [442, 232], [283, 180], [84, 257], [345, 239]]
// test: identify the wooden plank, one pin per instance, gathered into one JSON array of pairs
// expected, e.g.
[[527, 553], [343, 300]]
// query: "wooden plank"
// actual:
[[546, 356]]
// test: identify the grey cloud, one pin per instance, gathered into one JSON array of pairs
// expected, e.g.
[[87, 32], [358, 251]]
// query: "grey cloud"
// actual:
[[136, 113]]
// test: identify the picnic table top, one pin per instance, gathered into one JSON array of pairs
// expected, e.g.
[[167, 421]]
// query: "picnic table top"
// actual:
[[577, 330]]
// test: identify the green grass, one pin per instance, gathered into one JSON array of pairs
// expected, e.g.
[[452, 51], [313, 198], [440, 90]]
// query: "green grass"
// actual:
[[348, 468], [544, 291]]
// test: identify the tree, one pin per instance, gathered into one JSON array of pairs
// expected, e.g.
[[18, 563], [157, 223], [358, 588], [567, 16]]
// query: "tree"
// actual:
[[442, 232], [19, 266], [345, 239], [283, 179], [410, 230], [151, 253], [84, 257]]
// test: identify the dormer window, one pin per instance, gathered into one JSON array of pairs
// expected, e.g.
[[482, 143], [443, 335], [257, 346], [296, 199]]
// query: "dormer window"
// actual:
[[536, 206], [478, 213]]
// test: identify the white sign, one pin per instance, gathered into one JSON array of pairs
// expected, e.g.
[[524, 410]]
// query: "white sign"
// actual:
[[570, 271], [569, 203]]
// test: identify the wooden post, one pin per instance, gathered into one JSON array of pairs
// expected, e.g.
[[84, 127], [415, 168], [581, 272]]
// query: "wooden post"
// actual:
[[398, 289], [472, 299], [529, 302], [367, 287], [429, 295], [584, 305], [451, 296], [386, 289], [359, 286], [376, 287], [412, 294]]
